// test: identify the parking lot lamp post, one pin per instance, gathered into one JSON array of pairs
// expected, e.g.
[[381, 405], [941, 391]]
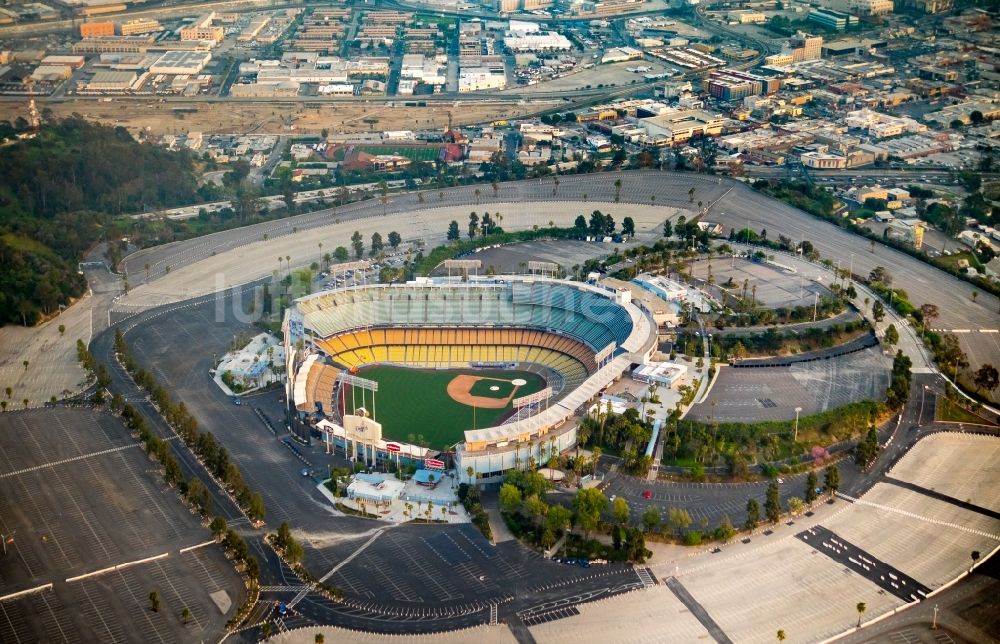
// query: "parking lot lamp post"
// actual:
[[795, 437]]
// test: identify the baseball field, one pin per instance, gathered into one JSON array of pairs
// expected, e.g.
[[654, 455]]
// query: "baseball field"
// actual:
[[440, 404]]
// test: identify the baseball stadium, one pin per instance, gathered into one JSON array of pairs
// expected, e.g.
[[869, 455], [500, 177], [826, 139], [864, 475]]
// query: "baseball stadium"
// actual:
[[491, 367]]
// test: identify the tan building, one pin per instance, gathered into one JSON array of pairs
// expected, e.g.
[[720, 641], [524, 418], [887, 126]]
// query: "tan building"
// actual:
[[806, 47], [203, 29], [97, 29], [137, 27]]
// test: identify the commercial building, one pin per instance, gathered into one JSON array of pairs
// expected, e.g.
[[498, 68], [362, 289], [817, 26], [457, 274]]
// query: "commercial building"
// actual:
[[540, 41], [805, 47], [823, 160], [666, 374], [735, 85], [746, 17], [136, 27], [880, 125], [97, 29], [861, 7], [477, 79], [675, 126], [837, 20], [75, 62]]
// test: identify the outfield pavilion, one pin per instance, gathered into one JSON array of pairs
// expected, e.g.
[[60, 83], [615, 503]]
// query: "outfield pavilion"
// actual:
[[581, 337]]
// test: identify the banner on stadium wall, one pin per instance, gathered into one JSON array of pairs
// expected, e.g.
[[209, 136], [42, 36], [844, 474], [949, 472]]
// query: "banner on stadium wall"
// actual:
[[433, 464]]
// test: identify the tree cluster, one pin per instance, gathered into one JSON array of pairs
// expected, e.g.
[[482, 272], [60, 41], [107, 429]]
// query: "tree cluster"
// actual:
[[58, 193], [210, 451], [899, 381]]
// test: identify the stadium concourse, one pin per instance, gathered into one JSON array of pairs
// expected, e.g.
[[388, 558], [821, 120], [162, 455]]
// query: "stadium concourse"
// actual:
[[577, 337]]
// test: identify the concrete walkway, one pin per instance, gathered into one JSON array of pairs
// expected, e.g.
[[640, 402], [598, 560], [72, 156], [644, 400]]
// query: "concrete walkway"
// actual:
[[498, 526]]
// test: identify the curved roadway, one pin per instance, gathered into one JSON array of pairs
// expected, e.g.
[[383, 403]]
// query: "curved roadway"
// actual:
[[729, 202]]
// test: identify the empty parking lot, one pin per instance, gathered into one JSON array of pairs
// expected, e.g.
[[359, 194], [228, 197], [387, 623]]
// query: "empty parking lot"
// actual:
[[79, 495]]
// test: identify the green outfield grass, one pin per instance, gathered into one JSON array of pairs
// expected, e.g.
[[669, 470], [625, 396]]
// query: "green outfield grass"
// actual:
[[416, 401]]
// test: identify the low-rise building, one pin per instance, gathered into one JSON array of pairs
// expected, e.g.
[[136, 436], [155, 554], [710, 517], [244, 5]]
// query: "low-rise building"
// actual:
[[142, 26], [831, 19], [97, 29], [823, 160], [110, 81], [181, 62], [477, 79], [675, 126]]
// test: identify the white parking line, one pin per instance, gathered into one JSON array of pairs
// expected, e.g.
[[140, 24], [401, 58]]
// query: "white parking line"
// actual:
[[72, 459], [116, 567]]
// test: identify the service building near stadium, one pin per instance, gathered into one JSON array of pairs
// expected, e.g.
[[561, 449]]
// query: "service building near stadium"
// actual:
[[454, 340]]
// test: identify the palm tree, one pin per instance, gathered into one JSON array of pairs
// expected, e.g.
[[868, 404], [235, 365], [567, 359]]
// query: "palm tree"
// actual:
[[477, 192], [861, 608], [555, 184], [618, 190], [469, 472], [975, 558], [595, 456], [781, 635]]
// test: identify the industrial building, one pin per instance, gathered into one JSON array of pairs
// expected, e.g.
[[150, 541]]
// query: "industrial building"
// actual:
[[110, 81], [181, 62], [136, 27], [203, 29], [97, 29]]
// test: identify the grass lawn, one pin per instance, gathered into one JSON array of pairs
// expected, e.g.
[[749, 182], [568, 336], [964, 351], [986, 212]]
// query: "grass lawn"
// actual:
[[948, 411], [422, 153], [951, 261], [416, 402]]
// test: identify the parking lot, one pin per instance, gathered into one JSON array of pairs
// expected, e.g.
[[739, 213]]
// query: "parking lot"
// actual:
[[515, 258], [775, 287], [79, 495], [773, 393]]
